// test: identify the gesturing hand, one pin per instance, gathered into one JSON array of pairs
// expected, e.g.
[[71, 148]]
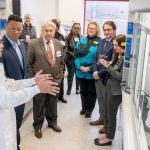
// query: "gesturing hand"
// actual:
[[39, 76], [47, 86]]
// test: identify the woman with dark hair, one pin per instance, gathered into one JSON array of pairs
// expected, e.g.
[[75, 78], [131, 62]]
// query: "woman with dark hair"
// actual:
[[113, 90], [72, 39]]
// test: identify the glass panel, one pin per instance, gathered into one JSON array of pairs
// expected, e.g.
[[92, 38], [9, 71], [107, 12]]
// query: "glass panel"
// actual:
[[139, 74], [135, 54], [146, 88], [102, 11]]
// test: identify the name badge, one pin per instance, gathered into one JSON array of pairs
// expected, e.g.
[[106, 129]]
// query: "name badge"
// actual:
[[58, 53], [76, 39]]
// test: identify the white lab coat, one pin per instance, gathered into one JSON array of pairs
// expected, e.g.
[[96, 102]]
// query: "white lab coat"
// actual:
[[12, 94]]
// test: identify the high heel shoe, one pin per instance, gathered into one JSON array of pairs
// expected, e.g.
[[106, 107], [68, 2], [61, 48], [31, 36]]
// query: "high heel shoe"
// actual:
[[103, 144], [101, 137], [97, 139]]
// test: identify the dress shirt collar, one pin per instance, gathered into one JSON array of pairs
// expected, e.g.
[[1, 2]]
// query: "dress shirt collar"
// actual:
[[50, 43], [110, 38], [12, 42], [45, 41]]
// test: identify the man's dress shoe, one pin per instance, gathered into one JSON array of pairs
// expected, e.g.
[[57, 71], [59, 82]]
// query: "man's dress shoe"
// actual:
[[18, 148], [38, 133], [62, 100], [97, 122], [55, 128], [103, 144], [82, 112], [102, 130], [77, 91], [68, 92], [88, 114]]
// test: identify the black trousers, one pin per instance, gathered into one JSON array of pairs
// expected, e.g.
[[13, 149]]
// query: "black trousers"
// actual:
[[112, 103], [71, 72], [61, 92], [19, 117], [44, 105], [87, 93]]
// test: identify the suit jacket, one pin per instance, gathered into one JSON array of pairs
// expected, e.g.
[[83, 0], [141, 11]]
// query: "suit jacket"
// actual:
[[12, 94], [115, 78], [102, 50], [38, 59], [13, 68]]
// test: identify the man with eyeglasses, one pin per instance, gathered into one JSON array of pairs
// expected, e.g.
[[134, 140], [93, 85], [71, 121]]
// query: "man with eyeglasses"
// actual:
[[15, 60], [105, 50]]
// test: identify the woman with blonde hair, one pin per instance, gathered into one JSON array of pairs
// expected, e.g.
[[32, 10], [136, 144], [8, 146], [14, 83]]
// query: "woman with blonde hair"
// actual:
[[84, 57]]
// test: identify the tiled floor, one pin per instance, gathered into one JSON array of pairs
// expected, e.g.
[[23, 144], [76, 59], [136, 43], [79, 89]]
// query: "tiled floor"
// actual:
[[77, 134]]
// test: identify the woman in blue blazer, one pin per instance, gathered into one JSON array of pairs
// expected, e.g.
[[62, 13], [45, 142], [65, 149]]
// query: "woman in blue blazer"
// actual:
[[84, 57]]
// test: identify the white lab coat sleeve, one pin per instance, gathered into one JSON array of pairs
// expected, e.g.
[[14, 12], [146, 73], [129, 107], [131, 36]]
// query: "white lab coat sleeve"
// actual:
[[14, 85], [15, 98]]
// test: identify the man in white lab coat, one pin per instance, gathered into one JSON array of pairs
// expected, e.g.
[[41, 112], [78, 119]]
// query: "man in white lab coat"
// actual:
[[14, 93]]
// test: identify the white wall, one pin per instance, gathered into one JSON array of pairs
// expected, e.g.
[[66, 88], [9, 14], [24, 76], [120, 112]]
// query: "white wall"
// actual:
[[4, 13], [139, 5], [40, 11], [71, 10], [47, 9]]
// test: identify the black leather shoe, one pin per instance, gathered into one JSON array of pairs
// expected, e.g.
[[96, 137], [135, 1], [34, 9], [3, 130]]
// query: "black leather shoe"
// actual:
[[88, 114], [82, 112], [68, 92], [103, 144], [55, 128], [77, 91], [97, 139], [62, 100]]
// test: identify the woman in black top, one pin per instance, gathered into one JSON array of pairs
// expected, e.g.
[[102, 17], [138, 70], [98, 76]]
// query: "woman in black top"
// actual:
[[72, 39]]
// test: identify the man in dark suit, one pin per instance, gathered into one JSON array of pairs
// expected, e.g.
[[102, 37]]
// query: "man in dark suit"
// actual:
[[46, 53], [14, 57], [105, 51]]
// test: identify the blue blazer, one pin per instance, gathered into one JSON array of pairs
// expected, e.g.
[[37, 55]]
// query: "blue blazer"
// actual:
[[13, 68], [86, 60], [107, 50]]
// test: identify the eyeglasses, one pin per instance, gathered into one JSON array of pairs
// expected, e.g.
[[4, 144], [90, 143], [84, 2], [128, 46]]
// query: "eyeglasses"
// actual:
[[107, 30]]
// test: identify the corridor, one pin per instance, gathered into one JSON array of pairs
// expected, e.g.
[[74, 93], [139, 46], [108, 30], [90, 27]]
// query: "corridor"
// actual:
[[76, 133]]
